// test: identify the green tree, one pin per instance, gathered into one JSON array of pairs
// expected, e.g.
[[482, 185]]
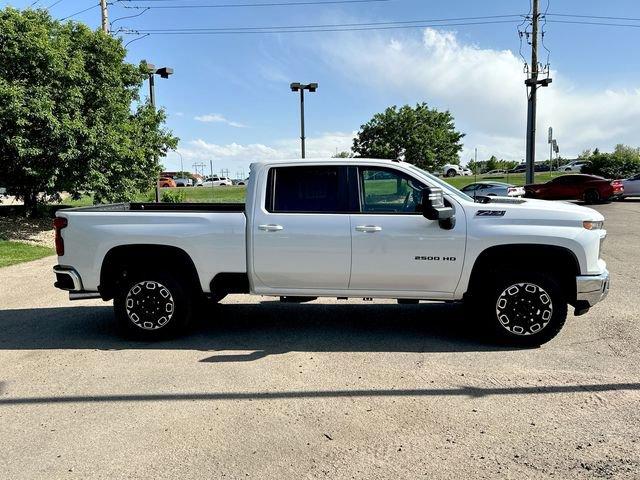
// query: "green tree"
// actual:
[[623, 162], [342, 155], [70, 116], [425, 137], [492, 164]]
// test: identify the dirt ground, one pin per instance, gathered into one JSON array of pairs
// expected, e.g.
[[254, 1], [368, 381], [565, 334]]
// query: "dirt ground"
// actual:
[[367, 390]]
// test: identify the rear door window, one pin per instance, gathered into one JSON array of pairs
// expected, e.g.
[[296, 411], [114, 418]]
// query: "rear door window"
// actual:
[[313, 189]]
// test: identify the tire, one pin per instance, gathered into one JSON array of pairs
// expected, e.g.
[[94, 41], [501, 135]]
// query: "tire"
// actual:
[[450, 173], [591, 196], [505, 306], [153, 306]]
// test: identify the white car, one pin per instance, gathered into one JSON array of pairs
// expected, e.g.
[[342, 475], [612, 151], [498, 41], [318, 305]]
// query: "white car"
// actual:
[[216, 181], [574, 166], [183, 182], [631, 187], [451, 170], [304, 233]]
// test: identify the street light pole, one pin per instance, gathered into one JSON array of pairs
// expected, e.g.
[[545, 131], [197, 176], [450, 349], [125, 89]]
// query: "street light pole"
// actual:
[[302, 137], [164, 72], [295, 87]]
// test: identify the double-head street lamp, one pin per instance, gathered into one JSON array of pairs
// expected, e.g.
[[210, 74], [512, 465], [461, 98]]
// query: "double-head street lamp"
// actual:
[[164, 72], [301, 87]]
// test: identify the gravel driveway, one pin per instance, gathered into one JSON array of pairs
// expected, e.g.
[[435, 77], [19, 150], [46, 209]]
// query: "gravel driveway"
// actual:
[[368, 390]]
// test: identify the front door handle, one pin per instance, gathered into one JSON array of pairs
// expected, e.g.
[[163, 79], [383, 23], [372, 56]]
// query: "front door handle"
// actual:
[[270, 227], [368, 228]]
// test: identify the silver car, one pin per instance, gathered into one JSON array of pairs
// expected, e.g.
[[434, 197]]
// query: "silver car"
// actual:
[[631, 186], [493, 189]]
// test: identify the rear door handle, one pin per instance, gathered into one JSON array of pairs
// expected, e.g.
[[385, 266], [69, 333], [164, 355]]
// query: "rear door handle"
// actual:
[[270, 227], [368, 228]]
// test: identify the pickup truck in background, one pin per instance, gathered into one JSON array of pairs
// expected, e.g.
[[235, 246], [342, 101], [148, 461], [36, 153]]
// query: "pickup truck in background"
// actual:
[[339, 228]]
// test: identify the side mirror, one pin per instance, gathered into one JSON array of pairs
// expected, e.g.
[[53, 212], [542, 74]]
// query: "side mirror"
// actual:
[[433, 208]]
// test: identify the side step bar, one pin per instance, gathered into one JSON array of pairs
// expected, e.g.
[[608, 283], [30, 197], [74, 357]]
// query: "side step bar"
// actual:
[[83, 295]]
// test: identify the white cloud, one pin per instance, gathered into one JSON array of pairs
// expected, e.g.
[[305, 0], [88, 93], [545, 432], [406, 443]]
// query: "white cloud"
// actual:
[[324, 145], [235, 156], [217, 118], [484, 89]]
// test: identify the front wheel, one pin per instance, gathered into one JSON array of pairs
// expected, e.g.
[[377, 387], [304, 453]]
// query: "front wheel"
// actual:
[[451, 173], [151, 306], [525, 309]]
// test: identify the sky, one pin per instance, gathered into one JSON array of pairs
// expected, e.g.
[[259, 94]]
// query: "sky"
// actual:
[[229, 100]]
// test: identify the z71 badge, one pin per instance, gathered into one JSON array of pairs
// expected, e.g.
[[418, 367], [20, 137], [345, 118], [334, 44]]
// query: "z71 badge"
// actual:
[[490, 213]]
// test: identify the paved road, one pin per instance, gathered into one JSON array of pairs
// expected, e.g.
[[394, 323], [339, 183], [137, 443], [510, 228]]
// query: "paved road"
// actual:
[[272, 391]]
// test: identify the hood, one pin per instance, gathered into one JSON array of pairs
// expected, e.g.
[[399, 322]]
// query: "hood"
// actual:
[[538, 211]]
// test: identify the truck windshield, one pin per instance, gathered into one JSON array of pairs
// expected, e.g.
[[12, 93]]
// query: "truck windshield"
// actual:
[[442, 184]]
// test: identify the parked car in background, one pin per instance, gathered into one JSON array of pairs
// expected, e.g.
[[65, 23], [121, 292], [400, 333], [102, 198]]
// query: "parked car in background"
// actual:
[[573, 166], [216, 181], [537, 167], [183, 182], [631, 187], [466, 172], [240, 182], [589, 188], [166, 182], [493, 189], [495, 172], [451, 170]]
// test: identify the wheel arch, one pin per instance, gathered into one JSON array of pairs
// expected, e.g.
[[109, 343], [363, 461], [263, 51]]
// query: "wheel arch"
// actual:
[[557, 260], [123, 260]]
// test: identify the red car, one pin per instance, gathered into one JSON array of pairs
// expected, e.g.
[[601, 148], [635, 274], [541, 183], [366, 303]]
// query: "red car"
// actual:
[[589, 188]]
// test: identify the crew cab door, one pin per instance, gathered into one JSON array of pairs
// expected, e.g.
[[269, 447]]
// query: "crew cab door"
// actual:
[[301, 234], [394, 247]]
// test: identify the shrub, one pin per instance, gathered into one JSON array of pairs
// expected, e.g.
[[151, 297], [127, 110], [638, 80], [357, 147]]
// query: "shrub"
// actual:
[[173, 196], [623, 162]]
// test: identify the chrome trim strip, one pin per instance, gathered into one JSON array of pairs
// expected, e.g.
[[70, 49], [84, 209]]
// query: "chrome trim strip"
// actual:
[[75, 278]]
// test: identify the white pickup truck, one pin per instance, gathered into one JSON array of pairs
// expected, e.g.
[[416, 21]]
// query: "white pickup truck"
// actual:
[[339, 228]]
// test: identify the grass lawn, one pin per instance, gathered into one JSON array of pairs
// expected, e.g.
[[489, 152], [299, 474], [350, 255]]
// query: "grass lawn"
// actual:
[[18, 252]]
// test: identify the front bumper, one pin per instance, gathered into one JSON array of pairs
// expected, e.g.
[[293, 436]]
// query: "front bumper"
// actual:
[[591, 289]]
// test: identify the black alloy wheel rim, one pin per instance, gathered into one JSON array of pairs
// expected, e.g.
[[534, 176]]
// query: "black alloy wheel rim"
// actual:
[[524, 309], [149, 305]]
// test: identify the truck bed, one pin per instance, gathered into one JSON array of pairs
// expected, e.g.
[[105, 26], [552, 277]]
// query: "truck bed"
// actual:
[[162, 207]]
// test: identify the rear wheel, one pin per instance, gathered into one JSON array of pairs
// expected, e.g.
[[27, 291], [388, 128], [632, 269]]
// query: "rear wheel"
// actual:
[[451, 173], [526, 309], [152, 306], [591, 196]]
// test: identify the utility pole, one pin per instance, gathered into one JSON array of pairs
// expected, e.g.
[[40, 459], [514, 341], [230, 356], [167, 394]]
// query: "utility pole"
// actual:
[[105, 16], [532, 84]]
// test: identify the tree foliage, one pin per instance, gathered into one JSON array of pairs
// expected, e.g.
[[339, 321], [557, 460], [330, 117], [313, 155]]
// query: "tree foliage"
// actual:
[[66, 116], [422, 136], [623, 162], [484, 166]]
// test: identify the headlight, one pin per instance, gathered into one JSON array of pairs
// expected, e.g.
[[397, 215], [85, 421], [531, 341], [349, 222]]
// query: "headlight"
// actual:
[[593, 225]]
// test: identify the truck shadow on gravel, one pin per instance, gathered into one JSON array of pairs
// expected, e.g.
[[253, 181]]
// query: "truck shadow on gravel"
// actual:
[[269, 328]]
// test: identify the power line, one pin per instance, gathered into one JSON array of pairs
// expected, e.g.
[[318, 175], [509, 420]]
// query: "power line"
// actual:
[[300, 30], [591, 16], [54, 4], [330, 25], [605, 24], [244, 5], [81, 11]]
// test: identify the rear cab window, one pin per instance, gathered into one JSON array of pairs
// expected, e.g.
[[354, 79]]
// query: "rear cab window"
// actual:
[[301, 189]]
